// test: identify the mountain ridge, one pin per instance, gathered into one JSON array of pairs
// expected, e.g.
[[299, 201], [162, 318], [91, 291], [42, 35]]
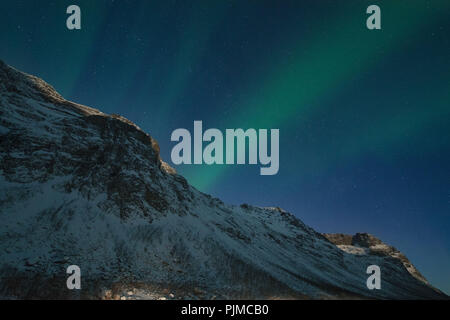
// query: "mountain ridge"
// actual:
[[82, 187]]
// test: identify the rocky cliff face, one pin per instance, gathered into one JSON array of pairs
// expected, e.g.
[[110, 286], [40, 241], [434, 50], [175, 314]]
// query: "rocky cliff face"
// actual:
[[364, 243], [81, 187]]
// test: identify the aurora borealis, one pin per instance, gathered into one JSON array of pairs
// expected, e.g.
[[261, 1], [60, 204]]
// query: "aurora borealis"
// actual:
[[364, 116]]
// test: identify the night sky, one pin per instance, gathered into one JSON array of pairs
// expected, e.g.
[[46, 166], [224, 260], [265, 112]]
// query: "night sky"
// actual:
[[364, 116]]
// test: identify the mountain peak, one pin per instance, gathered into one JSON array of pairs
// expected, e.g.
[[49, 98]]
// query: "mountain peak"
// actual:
[[16, 85], [14, 81], [365, 243]]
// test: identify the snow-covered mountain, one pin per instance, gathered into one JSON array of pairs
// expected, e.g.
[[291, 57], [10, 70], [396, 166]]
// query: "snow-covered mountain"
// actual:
[[80, 187]]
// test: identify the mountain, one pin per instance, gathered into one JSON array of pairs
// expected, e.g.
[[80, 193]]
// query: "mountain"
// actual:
[[80, 187]]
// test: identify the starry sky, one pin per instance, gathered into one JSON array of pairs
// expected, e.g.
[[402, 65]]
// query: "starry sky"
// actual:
[[364, 116]]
